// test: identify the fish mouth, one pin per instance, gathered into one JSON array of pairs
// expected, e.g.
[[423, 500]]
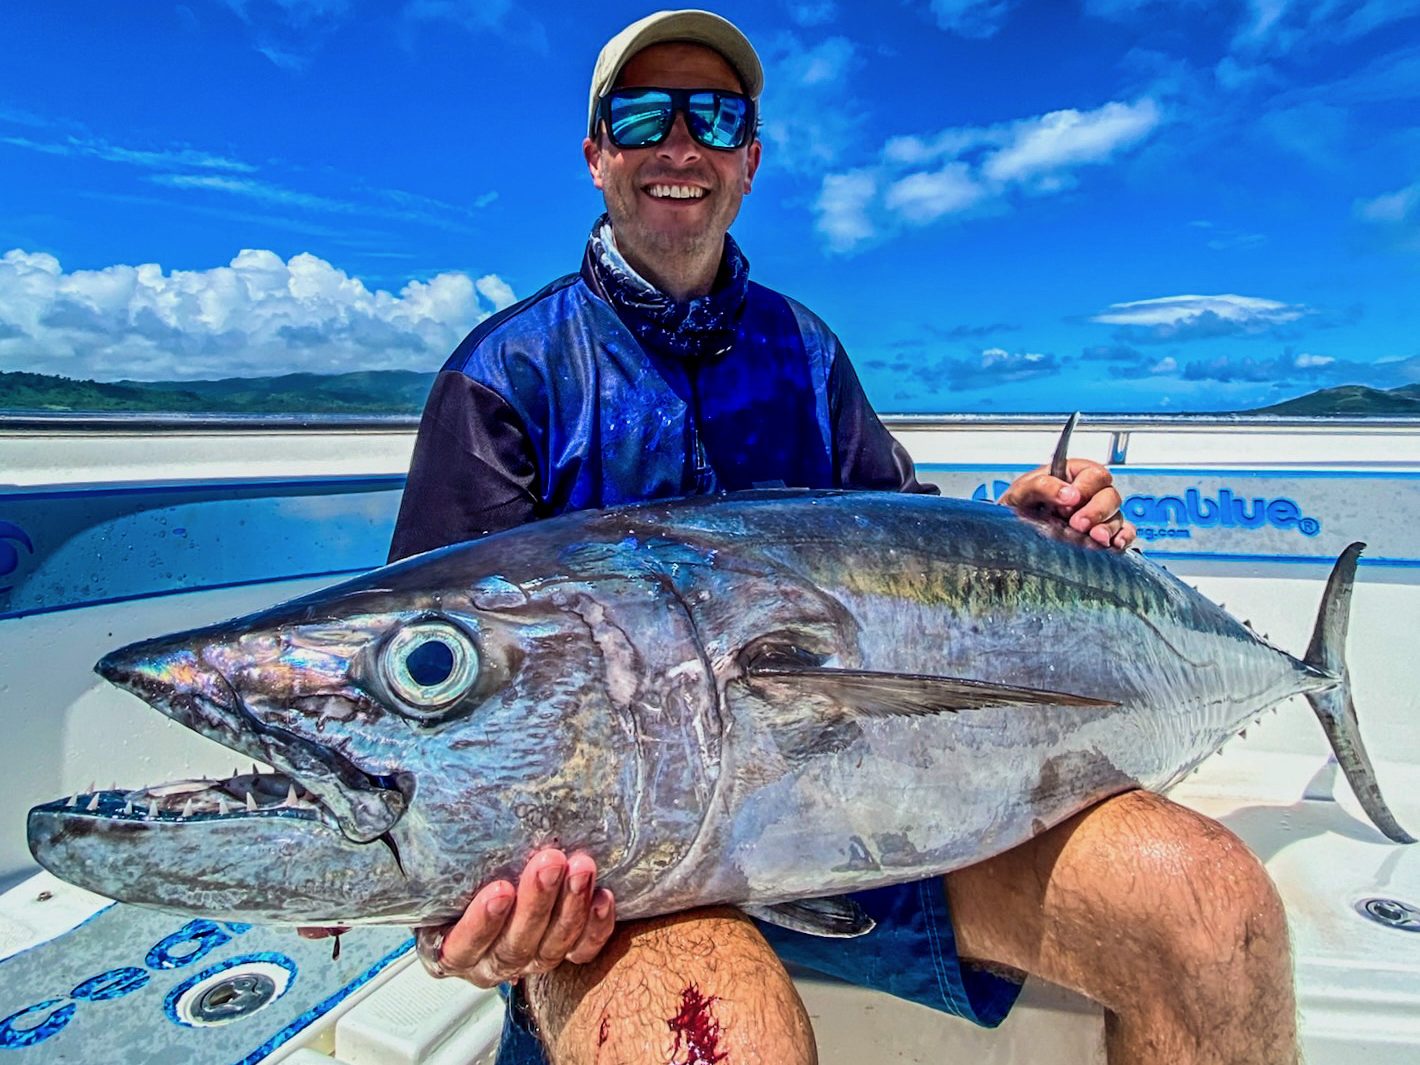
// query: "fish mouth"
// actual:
[[242, 795], [309, 782]]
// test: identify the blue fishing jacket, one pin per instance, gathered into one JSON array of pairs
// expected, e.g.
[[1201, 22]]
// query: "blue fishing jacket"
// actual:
[[601, 390]]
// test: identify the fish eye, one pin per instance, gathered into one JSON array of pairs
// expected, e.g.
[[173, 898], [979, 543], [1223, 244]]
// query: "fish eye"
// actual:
[[429, 664]]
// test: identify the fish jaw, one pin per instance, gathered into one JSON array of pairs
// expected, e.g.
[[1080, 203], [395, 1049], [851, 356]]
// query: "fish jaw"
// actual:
[[189, 678], [271, 865], [313, 842]]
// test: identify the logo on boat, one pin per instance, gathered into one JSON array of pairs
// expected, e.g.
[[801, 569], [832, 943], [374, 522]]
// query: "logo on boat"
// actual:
[[12, 538], [1222, 510], [1173, 517]]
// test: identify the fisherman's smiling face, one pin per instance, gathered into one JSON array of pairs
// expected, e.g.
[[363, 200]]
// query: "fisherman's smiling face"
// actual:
[[671, 204]]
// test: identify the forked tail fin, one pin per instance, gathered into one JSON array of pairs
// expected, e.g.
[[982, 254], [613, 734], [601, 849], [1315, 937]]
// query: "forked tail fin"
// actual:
[[1334, 707]]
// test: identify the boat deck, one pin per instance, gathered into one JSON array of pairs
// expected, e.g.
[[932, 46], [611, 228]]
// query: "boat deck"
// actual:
[[118, 530]]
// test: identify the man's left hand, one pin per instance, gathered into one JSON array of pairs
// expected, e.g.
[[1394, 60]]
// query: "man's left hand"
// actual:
[[1088, 502]]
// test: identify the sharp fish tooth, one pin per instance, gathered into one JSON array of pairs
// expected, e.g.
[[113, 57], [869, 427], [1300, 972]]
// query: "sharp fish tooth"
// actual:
[[254, 770], [93, 804], [222, 804], [187, 808], [152, 810], [251, 803], [73, 801], [291, 799], [128, 808]]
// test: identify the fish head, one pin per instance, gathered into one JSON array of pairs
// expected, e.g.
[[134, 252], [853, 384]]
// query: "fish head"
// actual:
[[430, 725]]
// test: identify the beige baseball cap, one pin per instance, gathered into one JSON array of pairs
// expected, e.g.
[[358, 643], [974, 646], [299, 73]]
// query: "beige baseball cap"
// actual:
[[697, 27]]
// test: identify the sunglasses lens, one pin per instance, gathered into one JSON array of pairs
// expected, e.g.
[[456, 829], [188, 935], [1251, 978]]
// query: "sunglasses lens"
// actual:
[[639, 118], [717, 121]]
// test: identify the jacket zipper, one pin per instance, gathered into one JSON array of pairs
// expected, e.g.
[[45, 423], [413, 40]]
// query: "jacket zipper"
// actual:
[[704, 475]]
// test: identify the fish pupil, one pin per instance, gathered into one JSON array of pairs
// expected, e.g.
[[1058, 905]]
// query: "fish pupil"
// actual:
[[431, 663]]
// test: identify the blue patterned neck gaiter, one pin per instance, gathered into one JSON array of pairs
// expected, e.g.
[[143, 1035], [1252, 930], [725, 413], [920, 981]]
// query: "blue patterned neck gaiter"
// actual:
[[703, 328]]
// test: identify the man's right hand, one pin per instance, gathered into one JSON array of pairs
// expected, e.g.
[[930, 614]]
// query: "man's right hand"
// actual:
[[555, 914]]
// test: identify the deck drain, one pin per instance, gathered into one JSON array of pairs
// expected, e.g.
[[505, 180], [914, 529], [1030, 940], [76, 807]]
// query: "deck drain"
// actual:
[[1390, 912], [234, 997], [230, 991]]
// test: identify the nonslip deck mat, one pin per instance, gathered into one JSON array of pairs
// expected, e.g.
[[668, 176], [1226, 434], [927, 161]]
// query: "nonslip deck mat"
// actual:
[[136, 986]]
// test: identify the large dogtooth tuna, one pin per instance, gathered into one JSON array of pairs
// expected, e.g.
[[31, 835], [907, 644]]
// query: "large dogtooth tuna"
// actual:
[[768, 699]]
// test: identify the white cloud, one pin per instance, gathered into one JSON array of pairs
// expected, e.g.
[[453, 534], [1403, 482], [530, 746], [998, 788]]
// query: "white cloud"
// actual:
[[160, 158], [297, 12], [1065, 139], [408, 206], [927, 177], [233, 177], [1277, 27], [813, 12], [997, 367], [825, 62], [926, 196], [496, 291], [1175, 310], [1392, 207], [809, 112], [914, 150], [976, 19], [1305, 361], [1264, 17], [513, 23], [472, 14], [290, 32], [255, 189], [260, 314], [843, 208], [1170, 318]]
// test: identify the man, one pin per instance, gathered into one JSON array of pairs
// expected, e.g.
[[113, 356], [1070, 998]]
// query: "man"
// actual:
[[660, 370]]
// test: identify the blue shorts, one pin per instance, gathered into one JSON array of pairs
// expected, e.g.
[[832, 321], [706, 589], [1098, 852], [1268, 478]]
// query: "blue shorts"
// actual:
[[911, 954]]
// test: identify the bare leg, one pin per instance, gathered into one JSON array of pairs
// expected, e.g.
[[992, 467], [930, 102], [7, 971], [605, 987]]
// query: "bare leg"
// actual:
[[1161, 915], [691, 989]]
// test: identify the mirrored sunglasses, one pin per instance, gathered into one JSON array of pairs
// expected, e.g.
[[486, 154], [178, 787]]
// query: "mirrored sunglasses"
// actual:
[[642, 117]]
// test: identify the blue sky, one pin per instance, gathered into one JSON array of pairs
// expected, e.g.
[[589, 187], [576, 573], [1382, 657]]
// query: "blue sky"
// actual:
[[1105, 204]]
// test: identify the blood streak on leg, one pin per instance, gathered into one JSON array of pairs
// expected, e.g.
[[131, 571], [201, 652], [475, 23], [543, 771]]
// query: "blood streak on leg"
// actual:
[[697, 1032]]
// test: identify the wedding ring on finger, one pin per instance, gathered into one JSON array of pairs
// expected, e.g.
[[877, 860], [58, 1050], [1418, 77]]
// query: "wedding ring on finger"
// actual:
[[429, 945]]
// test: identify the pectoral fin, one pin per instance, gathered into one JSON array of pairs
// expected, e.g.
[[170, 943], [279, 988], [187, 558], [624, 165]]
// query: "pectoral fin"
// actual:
[[886, 694], [835, 917]]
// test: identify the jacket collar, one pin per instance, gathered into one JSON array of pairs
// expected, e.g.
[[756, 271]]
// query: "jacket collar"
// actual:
[[702, 328]]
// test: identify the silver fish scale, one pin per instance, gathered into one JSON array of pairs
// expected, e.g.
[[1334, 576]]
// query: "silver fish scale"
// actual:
[[977, 594]]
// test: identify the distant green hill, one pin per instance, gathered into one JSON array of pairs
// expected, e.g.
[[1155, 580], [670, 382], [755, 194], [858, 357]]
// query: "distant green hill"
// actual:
[[363, 392], [404, 391], [1353, 400]]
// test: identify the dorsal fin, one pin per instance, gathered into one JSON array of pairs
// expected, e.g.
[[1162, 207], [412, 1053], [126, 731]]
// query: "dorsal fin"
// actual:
[[1060, 461]]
